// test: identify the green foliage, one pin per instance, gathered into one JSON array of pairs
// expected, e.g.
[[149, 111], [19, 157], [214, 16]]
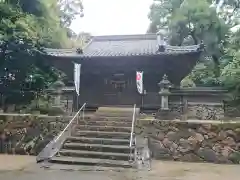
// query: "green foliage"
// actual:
[[230, 72], [187, 82], [190, 18], [203, 74], [52, 19], [161, 12], [69, 10], [190, 22], [229, 10], [25, 28]]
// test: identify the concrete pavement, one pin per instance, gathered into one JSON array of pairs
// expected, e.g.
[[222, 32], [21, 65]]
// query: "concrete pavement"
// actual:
[[25, 168]]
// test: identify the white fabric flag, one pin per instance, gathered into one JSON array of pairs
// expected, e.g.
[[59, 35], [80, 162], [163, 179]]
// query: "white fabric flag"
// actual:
[[139, 81], [77, 71]]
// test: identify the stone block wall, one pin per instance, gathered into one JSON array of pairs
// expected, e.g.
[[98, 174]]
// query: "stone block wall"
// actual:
[[205, 112], [232, 110], [192, 141], [28, 134], [197, 111]]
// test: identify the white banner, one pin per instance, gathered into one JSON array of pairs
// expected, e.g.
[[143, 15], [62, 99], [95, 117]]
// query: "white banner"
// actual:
[[139, 81], [77, 71]]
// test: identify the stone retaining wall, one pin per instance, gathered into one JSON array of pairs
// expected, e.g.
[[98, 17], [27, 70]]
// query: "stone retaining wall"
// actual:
[[205, 112], [192, 141], [28, 134]]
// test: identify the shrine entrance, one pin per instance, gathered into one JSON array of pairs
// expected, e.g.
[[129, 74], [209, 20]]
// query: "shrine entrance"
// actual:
[[120, 89]]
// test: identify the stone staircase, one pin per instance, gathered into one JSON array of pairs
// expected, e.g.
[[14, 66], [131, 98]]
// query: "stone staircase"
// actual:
[[103, 140]]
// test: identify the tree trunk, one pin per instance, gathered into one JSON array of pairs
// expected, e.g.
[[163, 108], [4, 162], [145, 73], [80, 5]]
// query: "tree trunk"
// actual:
[[3, 53], [194, 38], [216, 65]]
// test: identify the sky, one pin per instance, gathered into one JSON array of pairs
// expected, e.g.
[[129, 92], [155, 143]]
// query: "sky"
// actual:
[[113, 17]]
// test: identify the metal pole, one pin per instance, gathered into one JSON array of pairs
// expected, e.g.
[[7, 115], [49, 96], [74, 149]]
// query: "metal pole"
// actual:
[[142, 98], [83, 113], [67, 105], [77, 102], [77, 108]]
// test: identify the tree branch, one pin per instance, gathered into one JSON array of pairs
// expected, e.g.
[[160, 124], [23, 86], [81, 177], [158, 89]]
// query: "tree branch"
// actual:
[[192, 34]]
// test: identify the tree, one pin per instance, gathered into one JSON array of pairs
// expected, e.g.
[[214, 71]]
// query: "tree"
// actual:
[[228, 10], [26, 27], [230, 72], [69, 10], [21, 55], [191, 21], [194, 19], [54, 18], [66, 10], [161, 12]]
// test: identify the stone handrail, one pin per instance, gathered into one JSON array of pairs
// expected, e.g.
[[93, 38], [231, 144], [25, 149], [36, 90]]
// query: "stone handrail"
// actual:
[[53, 147], [132, 130]]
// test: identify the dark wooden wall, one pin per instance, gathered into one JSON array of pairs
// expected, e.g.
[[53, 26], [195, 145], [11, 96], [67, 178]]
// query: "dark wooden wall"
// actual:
[[107, 89]]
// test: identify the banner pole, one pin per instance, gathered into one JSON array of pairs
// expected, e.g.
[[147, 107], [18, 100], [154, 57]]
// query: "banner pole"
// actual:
[[142, 91], [77, 101], [142, 96], [77, 108]]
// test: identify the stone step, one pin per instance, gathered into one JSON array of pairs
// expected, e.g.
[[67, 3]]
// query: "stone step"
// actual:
[[102, 134], [115, 109], [114, 112], [113, 115], [103, 128], [94, 140], [77, 167], [113, 118], [90, 162], [97, 147], [95, 154], [106, 123]]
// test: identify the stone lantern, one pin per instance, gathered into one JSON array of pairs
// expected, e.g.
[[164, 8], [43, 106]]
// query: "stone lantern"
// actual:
[[57, 92], [164, 91], [164, 112]]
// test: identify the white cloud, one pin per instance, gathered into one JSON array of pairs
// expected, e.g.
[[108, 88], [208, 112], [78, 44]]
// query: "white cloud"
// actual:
[[107, 17]]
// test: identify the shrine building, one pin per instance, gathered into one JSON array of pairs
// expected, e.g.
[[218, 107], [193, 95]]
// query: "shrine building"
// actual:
[[109, 65]]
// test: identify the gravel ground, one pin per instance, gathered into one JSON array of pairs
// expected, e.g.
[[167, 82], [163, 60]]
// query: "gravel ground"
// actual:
[[25, 168]]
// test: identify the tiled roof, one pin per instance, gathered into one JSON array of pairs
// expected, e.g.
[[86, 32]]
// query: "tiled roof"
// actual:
[[123, 45]]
